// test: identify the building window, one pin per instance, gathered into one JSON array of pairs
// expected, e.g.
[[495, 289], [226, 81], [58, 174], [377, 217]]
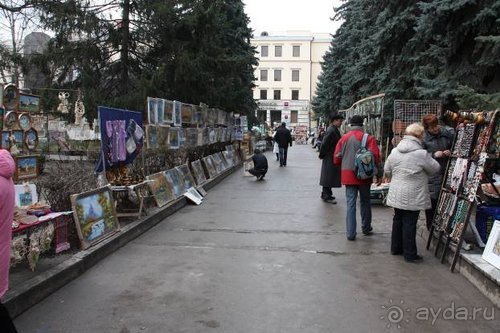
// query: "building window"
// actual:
[[261, 116], [263, 94], [263, 74], [264, 50], [277, 75], [295, 75], [278, 50], [295, 95], [275, 118], [296, 51], [294, 115], [277, 94]]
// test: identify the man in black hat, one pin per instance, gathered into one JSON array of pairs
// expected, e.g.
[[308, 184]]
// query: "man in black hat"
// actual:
[[344, 155], [284, 138], [330, 173]]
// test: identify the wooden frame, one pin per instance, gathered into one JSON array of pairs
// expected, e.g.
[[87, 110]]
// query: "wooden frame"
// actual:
[[10, 97], [31, 139], [24, 121], [188, 177], [10, 120], [1, 97], [160, 189], [29, 103], [95, 216], [26, 167], [19, 137], [187, 113]]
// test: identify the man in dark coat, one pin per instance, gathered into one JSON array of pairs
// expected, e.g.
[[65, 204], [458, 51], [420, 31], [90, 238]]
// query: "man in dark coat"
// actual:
[[330, 173], [259, 169], [284, 138]]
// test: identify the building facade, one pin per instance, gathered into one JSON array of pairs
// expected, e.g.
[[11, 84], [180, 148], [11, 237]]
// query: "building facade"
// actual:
[[287, 74]]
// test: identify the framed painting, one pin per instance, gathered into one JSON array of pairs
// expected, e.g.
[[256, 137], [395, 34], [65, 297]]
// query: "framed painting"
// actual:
[[191, 137], [25, 195], [219, 166], [175, 179], [228, 157], [2, 115], [163, 131], [5, 143], [174, 138], [24, 121], [160, 110], [1, 96], [151, 136], [197, 115], [188, 177], [26, 167], [492, 250], [95, 216], [29, 103], [10, 120], [10, 97], [160, 189], [177, 114], [31, 139], [187, 113], [152, 108], [198, 172], [210, 166], [18, 139], [168, 111]]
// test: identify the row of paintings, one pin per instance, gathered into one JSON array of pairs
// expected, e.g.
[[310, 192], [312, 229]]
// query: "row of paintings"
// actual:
[[175, 137], [165, 112], [168, 185], [13, 100], [19, 139]]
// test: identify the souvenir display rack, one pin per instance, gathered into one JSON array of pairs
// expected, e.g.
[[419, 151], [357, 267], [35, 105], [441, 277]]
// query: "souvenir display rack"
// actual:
[[475, 144], [407, 112]]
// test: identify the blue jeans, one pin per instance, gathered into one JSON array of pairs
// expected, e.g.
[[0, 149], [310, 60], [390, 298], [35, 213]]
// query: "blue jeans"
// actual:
[[283, 153], [351, 193]]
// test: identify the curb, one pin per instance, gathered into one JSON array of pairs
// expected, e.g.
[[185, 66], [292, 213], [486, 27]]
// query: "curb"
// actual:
[[36, 289]]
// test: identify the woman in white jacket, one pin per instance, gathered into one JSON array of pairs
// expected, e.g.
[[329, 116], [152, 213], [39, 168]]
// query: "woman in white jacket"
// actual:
[[408, 167]]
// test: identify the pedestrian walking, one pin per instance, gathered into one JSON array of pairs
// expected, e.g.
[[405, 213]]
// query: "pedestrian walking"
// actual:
[[344, 155], [409, 167], [438, 141], [276, 148], [259, 169], [330, 173], [7, 168], [284, 138]]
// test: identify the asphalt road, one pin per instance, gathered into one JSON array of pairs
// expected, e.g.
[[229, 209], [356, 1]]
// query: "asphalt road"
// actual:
[[265, 256]]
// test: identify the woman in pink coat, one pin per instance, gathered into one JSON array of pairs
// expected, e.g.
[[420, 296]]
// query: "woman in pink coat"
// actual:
[[7, 168]]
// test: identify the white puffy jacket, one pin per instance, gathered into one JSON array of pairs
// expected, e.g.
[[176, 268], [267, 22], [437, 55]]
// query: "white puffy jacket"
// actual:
[[409, 166]]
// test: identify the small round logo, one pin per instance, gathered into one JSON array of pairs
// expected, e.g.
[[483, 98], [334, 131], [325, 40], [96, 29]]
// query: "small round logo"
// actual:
[[394, 314]]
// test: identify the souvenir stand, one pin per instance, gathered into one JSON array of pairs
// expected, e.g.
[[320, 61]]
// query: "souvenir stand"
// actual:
[[475, 157], [372, 110], [122, 140], [407, 112], [35, 229]]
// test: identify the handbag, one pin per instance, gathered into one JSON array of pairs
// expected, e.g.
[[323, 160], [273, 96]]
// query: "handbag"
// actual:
[[276, 148]]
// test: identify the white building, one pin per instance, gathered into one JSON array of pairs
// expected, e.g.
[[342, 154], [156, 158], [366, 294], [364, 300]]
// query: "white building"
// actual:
[[287, 74]]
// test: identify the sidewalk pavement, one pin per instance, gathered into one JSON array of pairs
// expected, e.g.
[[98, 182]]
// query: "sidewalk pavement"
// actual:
[[261, 256]]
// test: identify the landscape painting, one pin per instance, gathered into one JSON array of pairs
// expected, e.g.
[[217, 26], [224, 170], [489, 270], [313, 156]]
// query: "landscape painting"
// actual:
[[29, 103], [176, 180], [198, 172], [95, 216], [26, 167], [210, 166], [160, 189], [188, 177]]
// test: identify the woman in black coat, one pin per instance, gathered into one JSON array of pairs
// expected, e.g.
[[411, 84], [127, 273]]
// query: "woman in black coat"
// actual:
[[330, 173]]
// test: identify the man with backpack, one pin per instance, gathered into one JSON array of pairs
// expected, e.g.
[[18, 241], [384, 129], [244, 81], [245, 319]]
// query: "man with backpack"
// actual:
[[359, 164]]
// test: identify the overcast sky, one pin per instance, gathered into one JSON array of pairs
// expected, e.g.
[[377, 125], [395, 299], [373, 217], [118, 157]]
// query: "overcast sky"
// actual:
[[282, 15]]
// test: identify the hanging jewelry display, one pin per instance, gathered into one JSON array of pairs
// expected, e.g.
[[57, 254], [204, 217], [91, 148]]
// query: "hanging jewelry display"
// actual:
[[457, 225], [458, 174]]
